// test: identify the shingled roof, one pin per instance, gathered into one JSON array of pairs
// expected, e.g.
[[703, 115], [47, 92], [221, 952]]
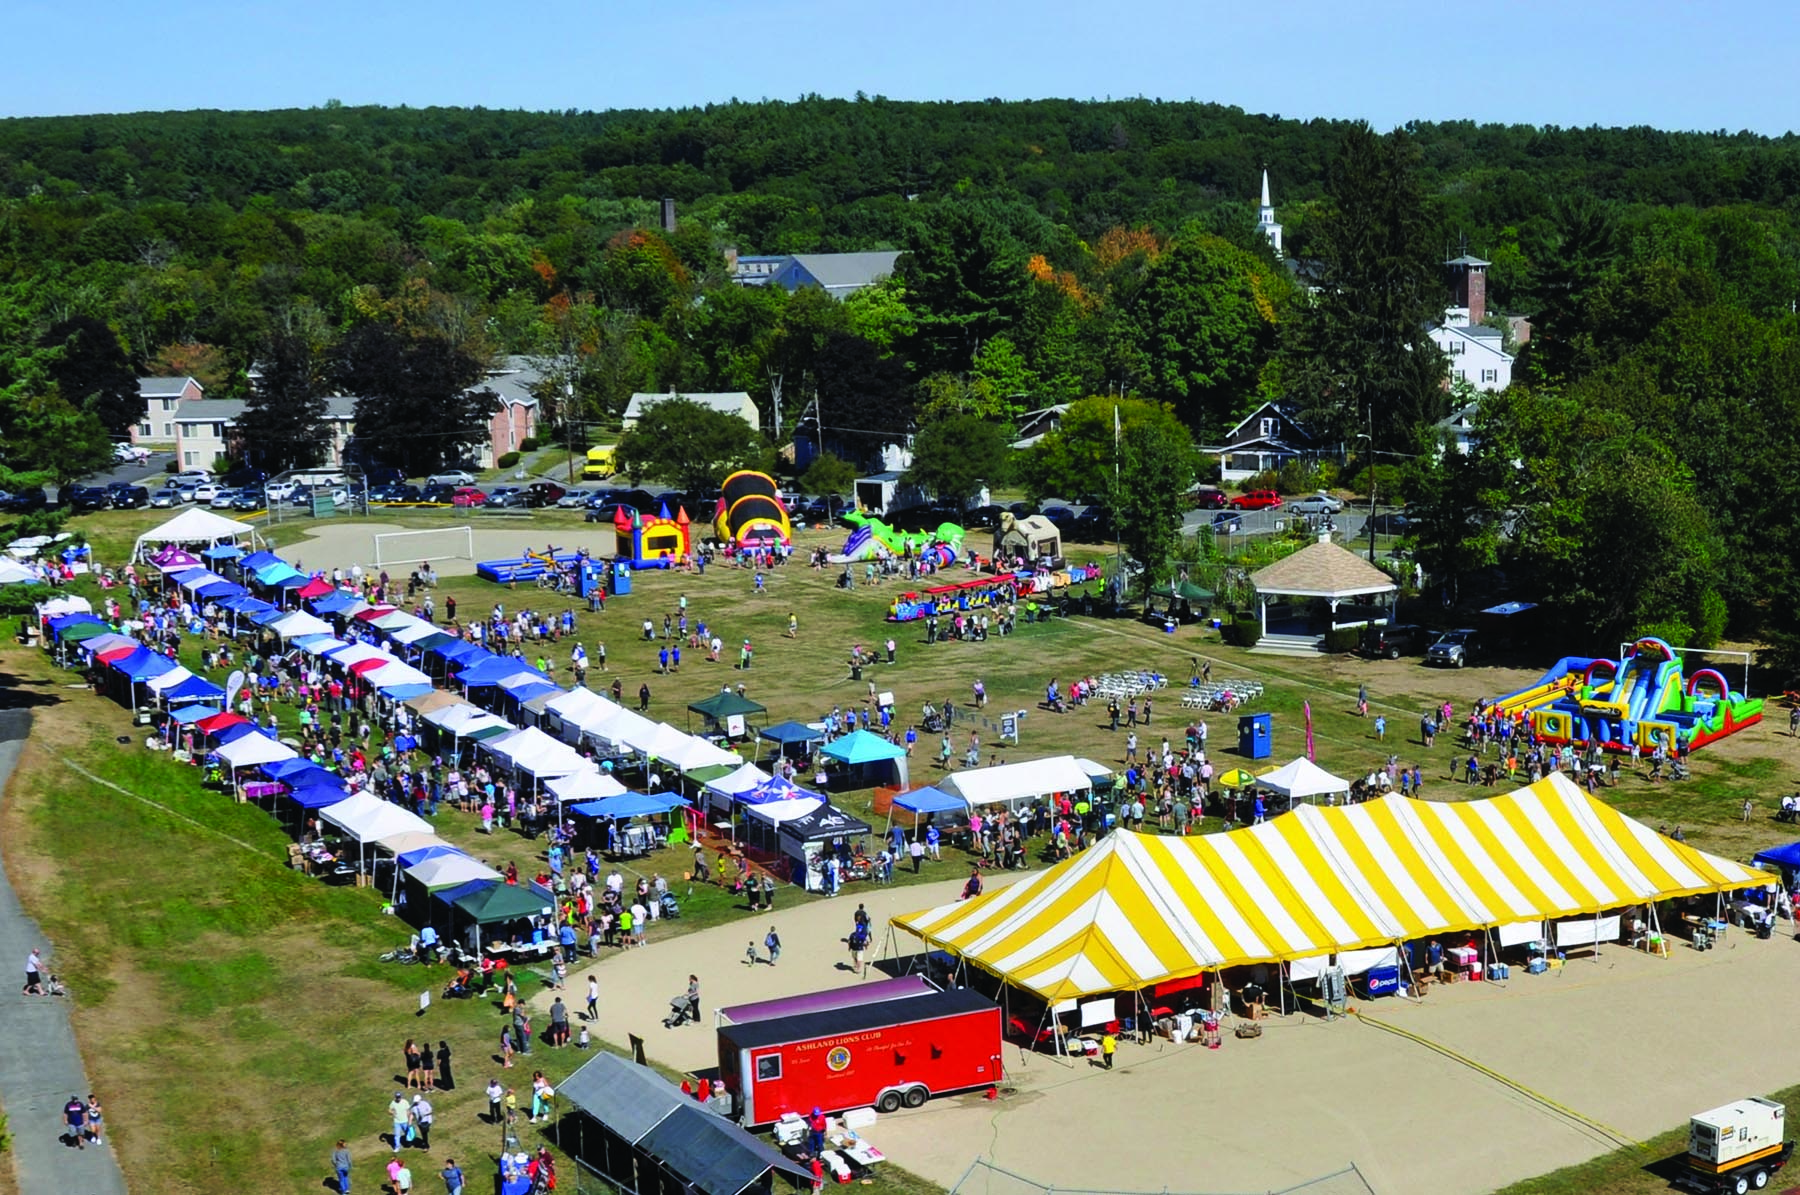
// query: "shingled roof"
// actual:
[[1322, 570]]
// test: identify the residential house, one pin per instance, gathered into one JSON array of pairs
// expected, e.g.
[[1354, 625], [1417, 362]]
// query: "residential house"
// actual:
[[516, 418], [729, 402], [161, 398], [1266, 438], [837, 274], [1459, 428], [204, 430], [1033, 426], [750, 269], [1476, 352]]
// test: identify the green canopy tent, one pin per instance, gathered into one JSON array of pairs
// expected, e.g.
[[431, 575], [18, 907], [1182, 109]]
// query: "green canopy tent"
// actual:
[[726, 713], [1185, 599], [497, 906]]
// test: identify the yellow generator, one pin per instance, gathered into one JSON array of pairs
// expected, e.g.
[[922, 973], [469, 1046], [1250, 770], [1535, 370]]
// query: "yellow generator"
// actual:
[[1736, 1148]]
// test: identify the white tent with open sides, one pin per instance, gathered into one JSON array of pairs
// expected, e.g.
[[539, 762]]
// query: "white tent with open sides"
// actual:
[[195, 525], [1011, 783], [1300, 779]]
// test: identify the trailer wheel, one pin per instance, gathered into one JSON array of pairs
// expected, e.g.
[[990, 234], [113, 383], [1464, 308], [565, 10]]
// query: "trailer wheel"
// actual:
[[1741, 1185], [888, 1101], [1760, 1179], [915, 1097]]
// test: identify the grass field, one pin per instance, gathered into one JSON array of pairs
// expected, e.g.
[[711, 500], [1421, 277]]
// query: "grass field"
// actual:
[[232, 1012]]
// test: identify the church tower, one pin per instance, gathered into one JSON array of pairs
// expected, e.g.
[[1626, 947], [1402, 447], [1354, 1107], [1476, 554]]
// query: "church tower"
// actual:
[[1265, 217]]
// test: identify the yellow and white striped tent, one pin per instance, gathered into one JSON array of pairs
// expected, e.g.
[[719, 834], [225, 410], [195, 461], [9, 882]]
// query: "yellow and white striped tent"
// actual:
[[1137, 909]]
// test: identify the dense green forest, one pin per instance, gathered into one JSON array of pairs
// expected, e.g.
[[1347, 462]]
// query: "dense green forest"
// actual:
[[1636, 474]]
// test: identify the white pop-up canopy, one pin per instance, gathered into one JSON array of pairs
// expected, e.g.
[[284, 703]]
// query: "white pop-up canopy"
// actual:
[[536, 753], [571, 707], [300, 623], [776, 812], [447, 871], [357, 653], [366, 817], [1302, 778], [1012, 782], [249, 750], [617, 726], [589, 784], [195, 525]]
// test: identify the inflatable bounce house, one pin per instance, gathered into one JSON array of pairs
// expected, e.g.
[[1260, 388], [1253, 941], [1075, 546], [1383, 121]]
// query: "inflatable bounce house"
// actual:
[[653, 541], [871, 539], [1641, 698], [751, 513]]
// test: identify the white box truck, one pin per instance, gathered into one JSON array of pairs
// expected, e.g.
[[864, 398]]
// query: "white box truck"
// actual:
[[1736, 1148]]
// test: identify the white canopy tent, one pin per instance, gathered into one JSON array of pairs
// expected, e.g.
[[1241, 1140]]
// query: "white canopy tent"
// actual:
[[535, 753], [14, 573], [395, 673], [1302, 778], [300, 623], [617, 726], [590, 784], [723, 792], [168, 680], [460, 721], [1011, 783], [568, 709], [195, 525], [776, 812], [411, 840], [367, 818], [250, 750], [355, 653], [447, 871], [68, 603]]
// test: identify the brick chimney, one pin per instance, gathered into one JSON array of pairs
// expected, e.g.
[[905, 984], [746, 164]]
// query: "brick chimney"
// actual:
[[1468, 285]]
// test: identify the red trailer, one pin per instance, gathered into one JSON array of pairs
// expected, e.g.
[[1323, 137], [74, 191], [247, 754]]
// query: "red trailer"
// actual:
[[891, 1053]]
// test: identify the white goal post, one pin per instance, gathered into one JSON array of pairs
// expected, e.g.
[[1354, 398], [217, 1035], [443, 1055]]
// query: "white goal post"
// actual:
[[438, 543]]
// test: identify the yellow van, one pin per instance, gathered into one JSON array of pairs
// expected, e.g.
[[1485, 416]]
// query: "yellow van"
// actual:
[[599, 463]]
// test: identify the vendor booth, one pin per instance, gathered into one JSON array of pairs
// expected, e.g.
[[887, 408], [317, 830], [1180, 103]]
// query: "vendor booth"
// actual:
[[499, 918], [870, 759], [822, 832], [1015, 784], [794, 739], [727, 714], [1302, 780]]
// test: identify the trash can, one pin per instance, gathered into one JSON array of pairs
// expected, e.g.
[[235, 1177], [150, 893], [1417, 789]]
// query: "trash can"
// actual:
[[1255, 736], [621, 578]]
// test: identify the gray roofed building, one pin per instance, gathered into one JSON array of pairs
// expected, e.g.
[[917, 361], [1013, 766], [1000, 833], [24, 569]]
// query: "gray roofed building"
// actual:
[[838, 274], [161, 396], [167, 387]]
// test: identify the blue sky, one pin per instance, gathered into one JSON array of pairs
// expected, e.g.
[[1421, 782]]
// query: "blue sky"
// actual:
[[1576, 62]]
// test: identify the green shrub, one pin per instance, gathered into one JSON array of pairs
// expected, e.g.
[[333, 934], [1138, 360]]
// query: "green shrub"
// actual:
[[507, 460], [1342, 640], [1295, 477], [171, 467], [1387, 481], [528, 444], [1245, 632]]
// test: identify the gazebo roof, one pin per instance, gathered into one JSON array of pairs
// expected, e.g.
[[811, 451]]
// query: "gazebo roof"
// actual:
[[1322, 570]]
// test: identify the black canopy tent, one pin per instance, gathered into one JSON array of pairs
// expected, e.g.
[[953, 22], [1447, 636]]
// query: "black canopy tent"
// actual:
[[807, 839], [637, 1131]]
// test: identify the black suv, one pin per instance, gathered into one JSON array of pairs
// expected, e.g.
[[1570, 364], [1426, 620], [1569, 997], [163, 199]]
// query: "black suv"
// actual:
[[84, 497], [32, 498], [129, 497], [1392, 642]]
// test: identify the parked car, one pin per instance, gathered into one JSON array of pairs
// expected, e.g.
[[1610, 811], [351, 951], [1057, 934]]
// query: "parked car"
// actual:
[[451, 477], [130, 452], [508, 495], [1319, 503], [207, 491], [383, 475], [572, 499], [249, 498], [166, 497], [1061, 516], [467, 495], [192, 477], [1454, 649], [437, 493], [544, 493], [1228, 522], [396, 491], [280, 491], [29, 499], [608, 511], [1257, 500], [224, 498], [983, 516], [1393, 641], [130, 497], [84, 497], [1208, 498], [1391, 523]]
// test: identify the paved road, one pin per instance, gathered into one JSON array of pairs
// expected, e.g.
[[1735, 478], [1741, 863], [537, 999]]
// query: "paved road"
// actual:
[[40, 1068]]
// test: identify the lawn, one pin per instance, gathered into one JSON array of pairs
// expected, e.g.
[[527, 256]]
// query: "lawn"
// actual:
[[234, 1015]]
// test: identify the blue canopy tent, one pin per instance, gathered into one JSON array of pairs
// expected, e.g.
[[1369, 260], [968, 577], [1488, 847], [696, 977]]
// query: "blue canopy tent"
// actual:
[[190, 574], [924, 803], [1785, 859], [276, 573], [193, 713], [292, 580], [463, 652], [263, 618], [236, 731], [334, 602], [215, 591], [864, 750], [243, 603], [259, 558], [317, 796], [629, 805], [791, 737], [287, 769], [194, 688], [222, 552], [410, 858], [495, 669]]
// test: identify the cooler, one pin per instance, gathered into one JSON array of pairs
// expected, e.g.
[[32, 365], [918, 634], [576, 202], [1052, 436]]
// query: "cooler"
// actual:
[[1475, 970], [1463, 958], [1536, 966], [1383, 981]]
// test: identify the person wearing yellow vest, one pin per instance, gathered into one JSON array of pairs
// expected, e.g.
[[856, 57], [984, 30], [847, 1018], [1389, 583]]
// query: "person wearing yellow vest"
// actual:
[[1109, 1045]]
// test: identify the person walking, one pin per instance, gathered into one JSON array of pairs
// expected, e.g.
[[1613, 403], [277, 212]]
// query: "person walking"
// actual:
[[34, 972], [593, 998], [75, 1116], [1380, 728], [773, 944], [495, 1093], [453, 1177], [403, 1180], [1362, 701], [400, 1114], [1748, 806], [1109, 1045], [421, 1121], [340, 1162], [916, 850]]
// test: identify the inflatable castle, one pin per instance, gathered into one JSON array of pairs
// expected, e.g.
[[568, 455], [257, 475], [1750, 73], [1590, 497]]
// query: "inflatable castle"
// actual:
[[751, 513], [653, 541]]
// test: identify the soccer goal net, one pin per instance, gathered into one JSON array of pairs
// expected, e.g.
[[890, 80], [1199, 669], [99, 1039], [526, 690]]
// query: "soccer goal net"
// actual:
[[419, 547]]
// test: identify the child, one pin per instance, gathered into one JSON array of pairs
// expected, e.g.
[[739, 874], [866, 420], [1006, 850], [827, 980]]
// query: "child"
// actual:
[[750, 953], [581, 1039]]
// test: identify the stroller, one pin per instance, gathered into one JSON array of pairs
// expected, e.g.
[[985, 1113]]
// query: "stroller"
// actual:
[[1677, 769], [671, 908], [681, 1011]]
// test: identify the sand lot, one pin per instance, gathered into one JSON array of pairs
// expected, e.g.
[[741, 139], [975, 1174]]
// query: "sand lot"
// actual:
[[333, 543], [1630, 1041]]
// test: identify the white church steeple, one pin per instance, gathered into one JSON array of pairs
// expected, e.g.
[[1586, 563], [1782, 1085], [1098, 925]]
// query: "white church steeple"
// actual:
[[1265, 217]]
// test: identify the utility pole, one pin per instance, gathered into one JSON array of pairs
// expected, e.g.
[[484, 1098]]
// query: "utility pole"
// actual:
[[1372, 476]]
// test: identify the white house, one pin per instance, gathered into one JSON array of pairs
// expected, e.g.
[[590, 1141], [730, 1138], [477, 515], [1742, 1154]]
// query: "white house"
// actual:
[[1476, 352], [1460, 424], [161, 398], [730, 402], [1266, 438]]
